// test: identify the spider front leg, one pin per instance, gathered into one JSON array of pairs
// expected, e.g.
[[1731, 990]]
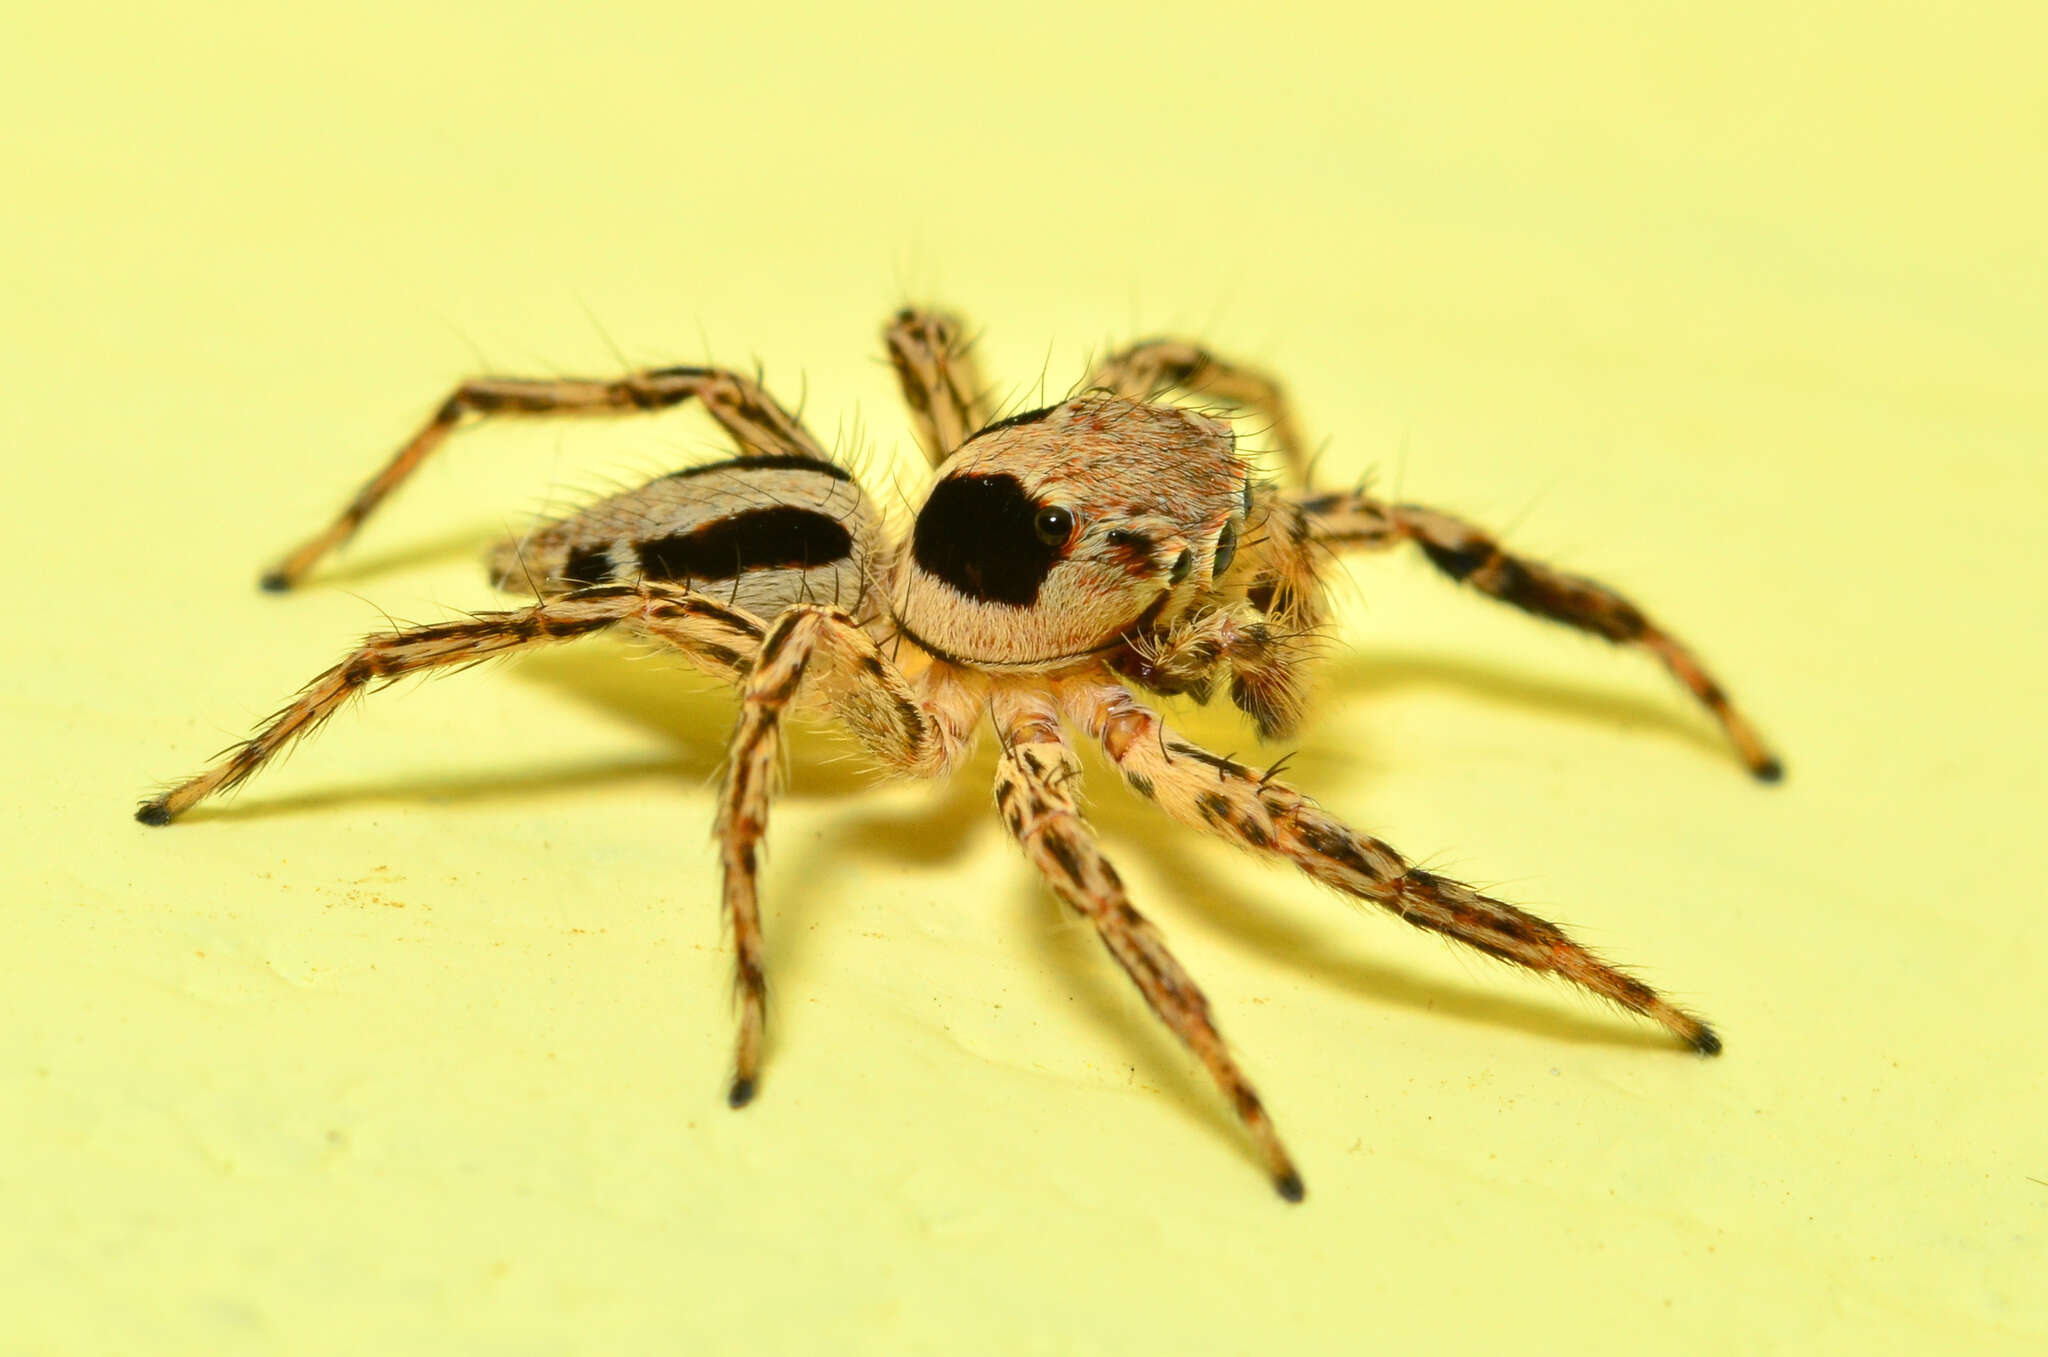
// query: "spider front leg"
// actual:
[[1471, 556], [1033, 780], [1148, 370], [934, 361], [747, 412], [916, 730], [1211, 793], [718, 638]]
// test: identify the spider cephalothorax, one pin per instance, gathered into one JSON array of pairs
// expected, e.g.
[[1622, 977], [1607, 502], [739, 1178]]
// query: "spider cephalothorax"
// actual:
[[1061, 558], [1062, 533]]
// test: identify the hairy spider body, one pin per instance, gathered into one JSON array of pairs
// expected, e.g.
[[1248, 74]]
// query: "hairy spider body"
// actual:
[[1061, 558], [761, 533]]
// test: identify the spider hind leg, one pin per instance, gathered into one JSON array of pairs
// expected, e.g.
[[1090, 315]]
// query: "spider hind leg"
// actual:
[[1266, 815]]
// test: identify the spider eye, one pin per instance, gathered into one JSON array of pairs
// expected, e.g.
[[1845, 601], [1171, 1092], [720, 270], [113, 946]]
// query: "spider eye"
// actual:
[[1226, 550], [1054, 525]]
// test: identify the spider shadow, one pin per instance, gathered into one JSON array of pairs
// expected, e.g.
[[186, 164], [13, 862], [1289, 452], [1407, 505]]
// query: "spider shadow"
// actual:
[[1068, 948], [1066, 945], [694, 715], [355, 569], [1372, 673]]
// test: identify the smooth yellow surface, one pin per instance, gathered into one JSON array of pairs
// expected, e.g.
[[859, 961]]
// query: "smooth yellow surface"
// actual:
[[418, 1045]]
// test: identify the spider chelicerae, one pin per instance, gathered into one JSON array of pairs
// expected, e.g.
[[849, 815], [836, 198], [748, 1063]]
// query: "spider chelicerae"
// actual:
[[1064, 560]]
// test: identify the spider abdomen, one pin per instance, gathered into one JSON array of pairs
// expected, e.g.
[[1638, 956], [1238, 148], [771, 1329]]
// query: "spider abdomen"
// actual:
[[761, 533]]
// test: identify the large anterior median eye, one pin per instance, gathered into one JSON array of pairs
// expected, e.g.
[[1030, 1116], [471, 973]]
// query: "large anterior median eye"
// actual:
[[1054, 525]]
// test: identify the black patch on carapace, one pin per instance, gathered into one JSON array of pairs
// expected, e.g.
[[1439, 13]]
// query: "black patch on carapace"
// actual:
[[1012, 421], [782, 461], [588, 565], [784, 537], [975, 533]]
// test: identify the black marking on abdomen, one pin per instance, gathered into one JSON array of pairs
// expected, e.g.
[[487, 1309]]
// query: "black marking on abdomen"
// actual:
[[784, 537], [588, 565], [772, 462]]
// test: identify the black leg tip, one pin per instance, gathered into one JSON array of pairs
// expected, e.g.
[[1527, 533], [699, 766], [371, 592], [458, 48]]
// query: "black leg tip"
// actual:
[[1770, 770], [741, 1094], [1289, 1185], [274, 582], [1706, 1043], [153, 813]]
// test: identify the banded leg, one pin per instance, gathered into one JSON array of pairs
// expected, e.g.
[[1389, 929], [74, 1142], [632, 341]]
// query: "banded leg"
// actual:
[[1210, 793], [747, 412], [904, 730], [1032, 793], [941, 382], [1471, 556], [1148, 370], [717, 637]]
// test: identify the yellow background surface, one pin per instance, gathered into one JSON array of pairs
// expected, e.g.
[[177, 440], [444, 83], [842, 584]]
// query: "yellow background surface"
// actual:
[[419, 1044]]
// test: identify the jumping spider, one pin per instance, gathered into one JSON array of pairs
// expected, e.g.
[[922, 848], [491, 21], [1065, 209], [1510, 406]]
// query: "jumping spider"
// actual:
[[1062, 559]]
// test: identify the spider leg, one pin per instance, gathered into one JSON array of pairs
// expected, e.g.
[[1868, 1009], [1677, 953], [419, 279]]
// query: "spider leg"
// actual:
[[1033, 778], [1147, 370], [934, 361], [1211, 793], [749, 415], [718, 638], [911, 729], [1471, 556]]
